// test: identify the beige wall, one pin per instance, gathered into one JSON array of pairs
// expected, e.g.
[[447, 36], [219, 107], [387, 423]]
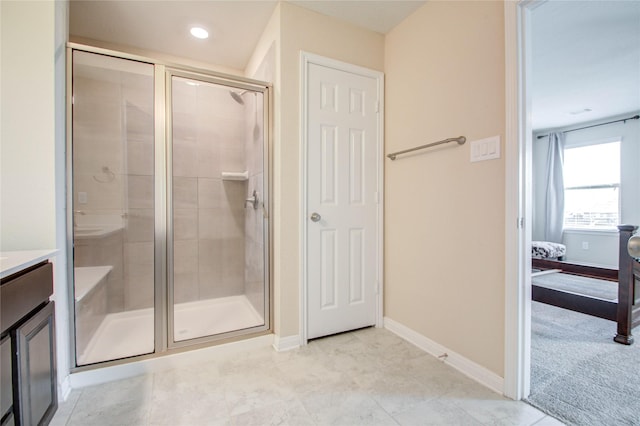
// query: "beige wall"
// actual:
[[28, 217], [32, 142], [303, 30], [444, 224]]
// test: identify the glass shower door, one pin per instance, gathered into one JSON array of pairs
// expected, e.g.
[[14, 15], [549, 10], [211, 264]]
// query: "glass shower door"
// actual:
[[217, 284], [170, 229], [113, 207]]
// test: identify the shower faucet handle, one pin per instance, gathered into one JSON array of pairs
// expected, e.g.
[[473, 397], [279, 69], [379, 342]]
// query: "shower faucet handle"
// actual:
[[253, 200]]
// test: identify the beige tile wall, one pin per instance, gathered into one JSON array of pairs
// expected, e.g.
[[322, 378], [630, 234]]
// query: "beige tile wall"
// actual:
[[185, 268], [97, 130], [221, 267], [138, 261], [254, 280], [208, 213], [139, 223], [113, 128]]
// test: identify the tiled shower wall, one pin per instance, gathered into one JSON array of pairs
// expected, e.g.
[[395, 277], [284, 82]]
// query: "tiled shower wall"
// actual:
[[114, 128], [139, 222], [255, 222], [209, 221], [254, 219]]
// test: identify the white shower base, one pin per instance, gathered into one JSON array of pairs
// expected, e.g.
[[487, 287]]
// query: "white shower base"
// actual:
[[130, 333]]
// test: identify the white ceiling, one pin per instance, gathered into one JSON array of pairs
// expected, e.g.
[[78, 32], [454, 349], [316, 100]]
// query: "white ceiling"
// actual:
[[234, 25], [586, 55], [377, 15]]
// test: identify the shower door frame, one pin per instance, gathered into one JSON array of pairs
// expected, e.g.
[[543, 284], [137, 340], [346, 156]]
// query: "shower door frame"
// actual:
[[169, 73], [163, 290]]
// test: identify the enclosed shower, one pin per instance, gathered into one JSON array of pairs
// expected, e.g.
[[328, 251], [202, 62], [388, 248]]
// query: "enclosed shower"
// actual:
[[168, 207]]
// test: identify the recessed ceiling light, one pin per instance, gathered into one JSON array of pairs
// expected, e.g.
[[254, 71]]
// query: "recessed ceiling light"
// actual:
[[199, 32]]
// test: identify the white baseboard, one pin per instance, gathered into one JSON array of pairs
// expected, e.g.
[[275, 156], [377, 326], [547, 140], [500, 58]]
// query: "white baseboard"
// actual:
[[183, 359], [464, 365], [282, 344], [64, 389]]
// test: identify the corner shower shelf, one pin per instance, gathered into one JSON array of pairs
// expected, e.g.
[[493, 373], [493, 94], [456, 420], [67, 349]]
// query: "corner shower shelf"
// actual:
[[235, 175]]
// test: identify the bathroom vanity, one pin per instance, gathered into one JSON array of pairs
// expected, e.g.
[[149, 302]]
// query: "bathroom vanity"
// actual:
[[27, 339]]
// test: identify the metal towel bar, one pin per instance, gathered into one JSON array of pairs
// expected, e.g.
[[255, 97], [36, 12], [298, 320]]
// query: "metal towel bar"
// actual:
[[460, 139]]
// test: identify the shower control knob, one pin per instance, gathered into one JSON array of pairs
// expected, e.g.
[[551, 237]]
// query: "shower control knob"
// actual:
[[315, 217]]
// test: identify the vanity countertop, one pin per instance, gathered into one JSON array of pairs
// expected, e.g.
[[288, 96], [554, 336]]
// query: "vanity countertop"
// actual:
[[15, 261]]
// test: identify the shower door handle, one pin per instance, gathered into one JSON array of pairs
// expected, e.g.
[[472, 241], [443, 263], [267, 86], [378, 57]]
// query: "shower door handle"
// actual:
[[315, 217]]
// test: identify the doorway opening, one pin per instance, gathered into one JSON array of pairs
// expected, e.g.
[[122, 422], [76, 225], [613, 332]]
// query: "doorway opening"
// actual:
[[526, 132]]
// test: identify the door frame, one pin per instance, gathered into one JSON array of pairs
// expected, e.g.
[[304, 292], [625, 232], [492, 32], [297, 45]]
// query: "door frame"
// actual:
[[305, 60], [518, 197]]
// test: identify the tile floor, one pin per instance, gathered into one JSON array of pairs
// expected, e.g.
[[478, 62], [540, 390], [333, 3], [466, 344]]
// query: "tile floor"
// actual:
[[365, 377]]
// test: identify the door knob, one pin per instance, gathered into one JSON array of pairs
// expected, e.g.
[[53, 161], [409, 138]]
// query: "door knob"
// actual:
[[315, 217]]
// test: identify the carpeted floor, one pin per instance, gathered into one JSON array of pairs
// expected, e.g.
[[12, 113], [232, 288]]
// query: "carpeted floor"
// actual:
[[578, 373]]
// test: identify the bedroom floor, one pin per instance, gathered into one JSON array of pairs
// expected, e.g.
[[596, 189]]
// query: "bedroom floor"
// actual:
[[368, 377], [578, 373]]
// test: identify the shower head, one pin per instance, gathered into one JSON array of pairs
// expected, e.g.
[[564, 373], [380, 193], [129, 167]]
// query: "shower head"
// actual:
[[238, 96]]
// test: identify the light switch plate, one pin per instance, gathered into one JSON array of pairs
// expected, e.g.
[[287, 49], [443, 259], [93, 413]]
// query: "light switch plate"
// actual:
[[485, 149]]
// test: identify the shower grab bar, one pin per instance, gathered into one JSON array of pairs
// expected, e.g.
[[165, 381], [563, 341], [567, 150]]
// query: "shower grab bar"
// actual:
[[460, 139]]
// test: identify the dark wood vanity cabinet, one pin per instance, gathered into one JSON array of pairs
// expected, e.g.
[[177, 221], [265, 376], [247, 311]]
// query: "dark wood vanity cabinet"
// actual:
[[6, 378], [29, 383], [37, 384]]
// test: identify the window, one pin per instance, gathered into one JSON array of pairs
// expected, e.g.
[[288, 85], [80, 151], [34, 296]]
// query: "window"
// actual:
[[592, 186]]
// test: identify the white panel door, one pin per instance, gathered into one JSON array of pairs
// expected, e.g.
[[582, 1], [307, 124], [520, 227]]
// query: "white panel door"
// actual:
[[342, 187]]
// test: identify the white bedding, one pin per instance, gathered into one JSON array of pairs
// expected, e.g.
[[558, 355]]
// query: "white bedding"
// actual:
[[547, 250]]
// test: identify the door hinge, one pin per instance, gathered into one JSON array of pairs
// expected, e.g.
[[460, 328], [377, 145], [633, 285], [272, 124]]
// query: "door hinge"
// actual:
[[521, 223], [377, 106]]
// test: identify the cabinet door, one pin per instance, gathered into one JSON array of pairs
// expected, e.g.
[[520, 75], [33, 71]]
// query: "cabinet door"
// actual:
[[6, 392], [37, 368]]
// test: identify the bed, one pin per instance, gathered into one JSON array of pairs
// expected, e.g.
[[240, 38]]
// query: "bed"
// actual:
[[547, 250], [624, 310]]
